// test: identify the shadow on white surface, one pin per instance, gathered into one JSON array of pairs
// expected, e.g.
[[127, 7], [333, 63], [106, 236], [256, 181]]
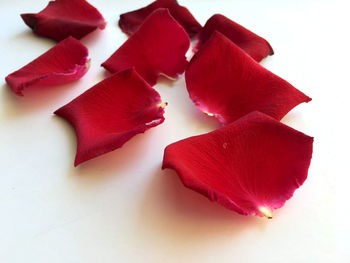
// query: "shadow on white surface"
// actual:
[[25, 34], [164, 80], [34, 99], [182, 109], [108, 164], [103, 74], [266, 61], [170, 212], [28, 35], [93, 37], [297, 119]]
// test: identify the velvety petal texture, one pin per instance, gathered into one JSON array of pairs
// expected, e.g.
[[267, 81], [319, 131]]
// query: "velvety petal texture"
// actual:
[[130, 22], [158, 47], [64, 18], [251, 166], [111, 113], [225, 82], [256, 46], [64, 63]]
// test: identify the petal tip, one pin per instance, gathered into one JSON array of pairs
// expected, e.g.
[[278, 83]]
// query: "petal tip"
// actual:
[[77, 160], [30, 20], [209, 114], [266, 212], [163, 104], [14, 86]]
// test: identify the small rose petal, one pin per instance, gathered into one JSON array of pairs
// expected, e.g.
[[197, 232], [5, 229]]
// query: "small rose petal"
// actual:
[[111, 113], [64, 63], [252, 166], [225, 82], [158, 47], [130, 22], [257, 47], [64, 18]]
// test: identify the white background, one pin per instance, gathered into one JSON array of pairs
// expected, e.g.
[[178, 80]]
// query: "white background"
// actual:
[[121, 207]]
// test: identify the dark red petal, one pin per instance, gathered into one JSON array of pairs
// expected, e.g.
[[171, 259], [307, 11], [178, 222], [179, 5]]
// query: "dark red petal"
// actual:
[[224, 81], [64, 18], [257, 47], [252, 166], [64, 63], [158, 47], [111, 113], [130, 22]]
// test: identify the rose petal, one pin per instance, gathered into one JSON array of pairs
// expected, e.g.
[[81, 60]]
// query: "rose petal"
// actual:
[[130, 22], [251, 166], [64, 18], [64, 63], [111, 113], [224, 81], [257, 47], [158, 47]]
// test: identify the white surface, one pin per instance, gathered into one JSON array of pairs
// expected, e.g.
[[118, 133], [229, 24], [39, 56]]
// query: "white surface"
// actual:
[[121, 207]]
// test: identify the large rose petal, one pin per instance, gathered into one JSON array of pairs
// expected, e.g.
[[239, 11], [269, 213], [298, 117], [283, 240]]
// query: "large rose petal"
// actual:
[[158, 47], [224, 81], [130, 22], [64, 18], [257, 47], [111, 113], [252, 166], [64, 63]]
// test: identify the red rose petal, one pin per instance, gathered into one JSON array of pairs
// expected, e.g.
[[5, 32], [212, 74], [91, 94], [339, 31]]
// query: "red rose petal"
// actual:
[[251, 166], [64, 63], [64, 18], [158, 47], [111, 113], [130, 22], [257, 47], [224, 81]]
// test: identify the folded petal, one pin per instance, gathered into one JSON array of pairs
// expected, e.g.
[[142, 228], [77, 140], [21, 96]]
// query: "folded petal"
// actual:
[[257, 47], [158, 47], [111, 113], [251, 166], [64, 63], [130, 22], [64, 18], [225, 82]]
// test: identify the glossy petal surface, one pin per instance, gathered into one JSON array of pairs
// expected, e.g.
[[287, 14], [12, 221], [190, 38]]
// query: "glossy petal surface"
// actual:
[[224, 81], [64, 63], [111, 113], [251, 166], [158, 47], [131, 21], [256, 46], [64, 18]]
